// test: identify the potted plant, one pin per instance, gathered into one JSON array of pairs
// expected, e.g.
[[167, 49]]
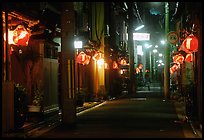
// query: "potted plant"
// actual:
[[37, 101]]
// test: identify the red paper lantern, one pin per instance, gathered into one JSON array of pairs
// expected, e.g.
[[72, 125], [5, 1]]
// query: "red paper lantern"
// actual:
[[87, 60], [140, 66], [137, 70], [97, 56], [123, 62], [178, 59], [174, 68], [191, 43], [21, 36], [115, 65], [189, 57], [83, 58]]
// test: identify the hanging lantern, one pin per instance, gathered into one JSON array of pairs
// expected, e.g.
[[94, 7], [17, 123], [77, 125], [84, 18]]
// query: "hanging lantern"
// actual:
[[115, 65], [87, 60], [174, 68], [137, 70], [97, 56], [140, 66], [83, 58], [80, 57], [189, 57], [178, 59], [191, 43], [21, 36], [123, 62]]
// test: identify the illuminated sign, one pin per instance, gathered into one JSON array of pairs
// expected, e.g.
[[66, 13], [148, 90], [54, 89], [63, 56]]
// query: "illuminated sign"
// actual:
[[141, 36]]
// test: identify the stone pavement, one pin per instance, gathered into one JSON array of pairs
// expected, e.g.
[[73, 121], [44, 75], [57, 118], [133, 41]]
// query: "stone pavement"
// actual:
[[36, 129], [181, 113]]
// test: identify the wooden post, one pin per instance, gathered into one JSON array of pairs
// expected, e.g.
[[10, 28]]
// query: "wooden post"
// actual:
[[68, 64], [7, 106]]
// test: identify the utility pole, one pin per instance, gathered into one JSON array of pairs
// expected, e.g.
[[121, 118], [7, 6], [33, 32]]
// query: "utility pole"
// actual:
[[167, 54], [131, 48]]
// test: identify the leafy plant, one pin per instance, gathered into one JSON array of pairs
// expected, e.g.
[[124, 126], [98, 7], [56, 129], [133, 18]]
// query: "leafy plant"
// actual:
[[38, 97], [20, 104], [20, 98]]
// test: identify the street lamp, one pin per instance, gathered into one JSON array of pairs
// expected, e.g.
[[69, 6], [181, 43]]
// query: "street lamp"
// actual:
[[162, 42], [78, 45], [139, 27]]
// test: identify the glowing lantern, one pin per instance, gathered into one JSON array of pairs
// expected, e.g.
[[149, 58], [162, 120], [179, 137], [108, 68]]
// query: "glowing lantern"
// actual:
[[82, 58], [189, 57], [137, 70], [174, 68], [115, 65], [123, 62], [172, 71], [140, 66], [178, 59], [191, 43], [97, 56], [87, 60], [20, 36]]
